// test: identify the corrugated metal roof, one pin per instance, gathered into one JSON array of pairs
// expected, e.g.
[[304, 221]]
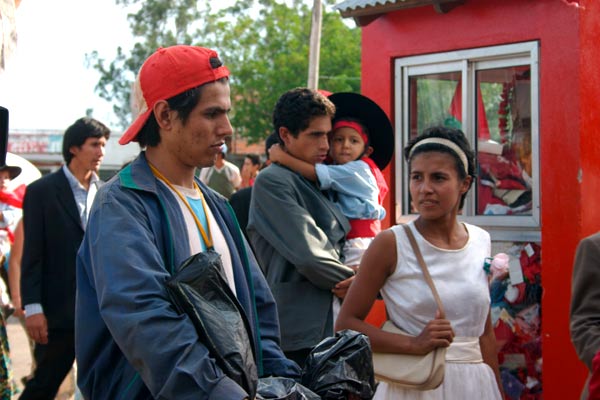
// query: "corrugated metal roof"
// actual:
[[366, 11], [354, 4]]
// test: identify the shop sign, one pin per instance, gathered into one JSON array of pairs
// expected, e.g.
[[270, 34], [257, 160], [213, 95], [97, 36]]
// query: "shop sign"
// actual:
[[35, 144]]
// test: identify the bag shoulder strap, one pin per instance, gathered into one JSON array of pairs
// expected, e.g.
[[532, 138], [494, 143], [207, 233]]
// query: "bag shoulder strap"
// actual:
[[423, 266]]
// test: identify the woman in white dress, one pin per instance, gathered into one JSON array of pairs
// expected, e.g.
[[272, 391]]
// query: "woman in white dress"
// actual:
[[441, 172]]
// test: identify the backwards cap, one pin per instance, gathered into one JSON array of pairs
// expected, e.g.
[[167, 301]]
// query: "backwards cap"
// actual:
[[168, 72]]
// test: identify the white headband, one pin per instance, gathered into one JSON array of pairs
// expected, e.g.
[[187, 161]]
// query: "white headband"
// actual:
[[444, 142]]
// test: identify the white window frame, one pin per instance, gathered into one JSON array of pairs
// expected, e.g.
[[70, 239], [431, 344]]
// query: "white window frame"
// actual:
[[501, 227]]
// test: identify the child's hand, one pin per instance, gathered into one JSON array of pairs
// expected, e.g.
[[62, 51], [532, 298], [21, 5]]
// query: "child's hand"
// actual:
[[341, 288], [275, 153]]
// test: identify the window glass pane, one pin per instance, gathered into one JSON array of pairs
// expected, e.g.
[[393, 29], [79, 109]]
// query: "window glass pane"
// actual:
[[435, 99], [503, 124]]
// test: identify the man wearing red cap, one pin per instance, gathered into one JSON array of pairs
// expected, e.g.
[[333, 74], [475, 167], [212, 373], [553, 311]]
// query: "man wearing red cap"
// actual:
[[130, 340]]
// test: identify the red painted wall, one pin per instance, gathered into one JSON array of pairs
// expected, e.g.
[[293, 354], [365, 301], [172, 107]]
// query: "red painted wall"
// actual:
[[569, 129]]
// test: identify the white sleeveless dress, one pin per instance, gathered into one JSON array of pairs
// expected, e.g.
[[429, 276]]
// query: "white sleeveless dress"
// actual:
[[462, 285]]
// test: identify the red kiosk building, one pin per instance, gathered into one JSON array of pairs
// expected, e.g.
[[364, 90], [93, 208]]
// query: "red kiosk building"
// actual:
[[521, 80]]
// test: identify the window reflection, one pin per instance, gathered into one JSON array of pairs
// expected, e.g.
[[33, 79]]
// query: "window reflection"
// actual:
[[504, 141], [503, 130], [433, 101]]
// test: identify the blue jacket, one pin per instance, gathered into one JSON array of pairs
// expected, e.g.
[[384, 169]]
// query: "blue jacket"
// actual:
[[130, 342]]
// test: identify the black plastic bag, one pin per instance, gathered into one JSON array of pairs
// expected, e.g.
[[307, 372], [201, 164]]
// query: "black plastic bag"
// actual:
[[200, 290], [280, 388], [341, 367]]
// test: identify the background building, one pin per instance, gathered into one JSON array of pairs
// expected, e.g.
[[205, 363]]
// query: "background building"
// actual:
[[520, 79], [43, 148]]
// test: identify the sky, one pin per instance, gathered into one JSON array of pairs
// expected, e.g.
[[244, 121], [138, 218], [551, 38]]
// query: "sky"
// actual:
[[46, 84]]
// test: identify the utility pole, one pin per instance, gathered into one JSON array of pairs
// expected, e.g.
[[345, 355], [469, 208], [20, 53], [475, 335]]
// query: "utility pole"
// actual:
[[315, 45]]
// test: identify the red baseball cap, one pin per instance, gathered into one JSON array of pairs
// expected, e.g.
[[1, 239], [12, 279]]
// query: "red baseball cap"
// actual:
[[168, 72]]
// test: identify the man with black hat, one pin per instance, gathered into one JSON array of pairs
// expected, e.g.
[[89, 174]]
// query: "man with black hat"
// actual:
[[132, 343]]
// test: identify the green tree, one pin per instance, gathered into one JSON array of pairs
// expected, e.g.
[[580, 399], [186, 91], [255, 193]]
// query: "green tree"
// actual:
[[263, 43]]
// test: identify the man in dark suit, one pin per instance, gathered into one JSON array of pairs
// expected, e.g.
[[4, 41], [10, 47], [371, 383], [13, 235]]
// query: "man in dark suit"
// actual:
[[55, 211]]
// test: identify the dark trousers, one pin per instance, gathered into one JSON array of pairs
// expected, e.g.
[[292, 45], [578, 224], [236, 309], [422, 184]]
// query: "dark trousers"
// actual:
[[53, 362], [299, 356]]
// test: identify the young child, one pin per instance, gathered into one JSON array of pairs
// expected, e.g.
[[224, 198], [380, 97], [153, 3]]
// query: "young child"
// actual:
[[360, 146]]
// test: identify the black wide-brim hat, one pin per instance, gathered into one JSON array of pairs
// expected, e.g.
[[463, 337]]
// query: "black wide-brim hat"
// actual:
[[13, 171], [381, 133]]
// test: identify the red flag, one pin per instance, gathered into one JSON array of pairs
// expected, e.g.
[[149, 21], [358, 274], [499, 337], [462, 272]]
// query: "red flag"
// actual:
[[455, 109], [456, 104], [484, 129]]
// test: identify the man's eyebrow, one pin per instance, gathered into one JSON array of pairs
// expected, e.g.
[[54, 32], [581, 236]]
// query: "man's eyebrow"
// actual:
[[217, 109]]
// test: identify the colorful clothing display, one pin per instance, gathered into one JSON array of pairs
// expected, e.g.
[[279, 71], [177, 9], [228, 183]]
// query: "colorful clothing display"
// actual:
[[516, 316], [504, 187]]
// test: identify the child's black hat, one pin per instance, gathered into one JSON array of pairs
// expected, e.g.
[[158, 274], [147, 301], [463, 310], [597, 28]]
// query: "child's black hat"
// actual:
[[381, 133]]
